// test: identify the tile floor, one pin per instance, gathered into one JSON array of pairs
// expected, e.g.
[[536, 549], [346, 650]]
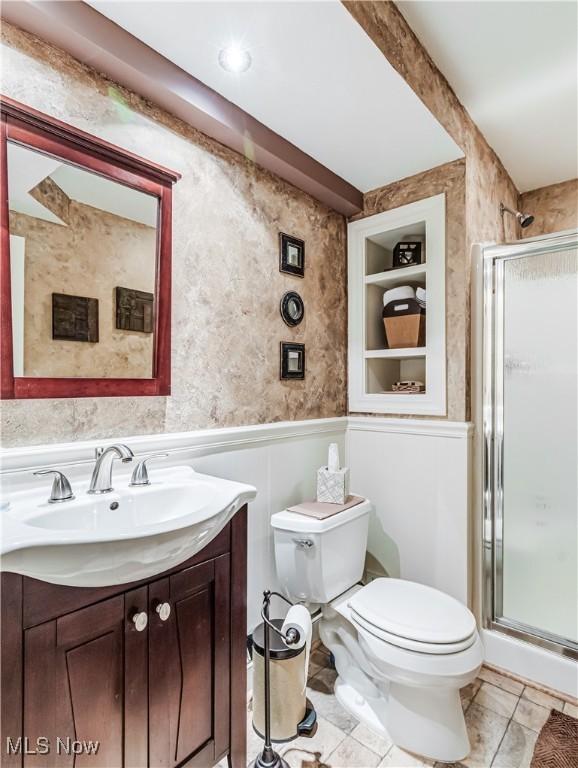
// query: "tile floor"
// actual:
[[503, 718]]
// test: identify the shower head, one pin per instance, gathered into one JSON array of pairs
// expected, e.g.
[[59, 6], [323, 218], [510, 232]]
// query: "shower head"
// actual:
[[524, 219]]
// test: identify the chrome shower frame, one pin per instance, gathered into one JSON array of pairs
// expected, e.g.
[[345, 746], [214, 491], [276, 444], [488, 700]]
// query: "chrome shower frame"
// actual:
[[494, 258]]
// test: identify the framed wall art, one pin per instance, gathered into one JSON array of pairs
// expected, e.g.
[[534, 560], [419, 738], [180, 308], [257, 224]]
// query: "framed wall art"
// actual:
[[74, 318], [134, 310], [292, 360], [291, 255], [292, 308]]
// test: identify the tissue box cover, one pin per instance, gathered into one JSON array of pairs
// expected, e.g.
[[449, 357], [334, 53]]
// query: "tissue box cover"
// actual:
[[333, 486]]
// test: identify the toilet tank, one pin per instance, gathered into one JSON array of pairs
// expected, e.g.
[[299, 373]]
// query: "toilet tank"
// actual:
[[317, 560]]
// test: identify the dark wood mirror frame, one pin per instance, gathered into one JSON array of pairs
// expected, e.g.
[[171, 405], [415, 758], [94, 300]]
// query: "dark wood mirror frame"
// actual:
[[25, 126]]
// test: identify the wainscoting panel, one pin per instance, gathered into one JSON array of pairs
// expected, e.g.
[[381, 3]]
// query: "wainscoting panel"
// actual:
[[416, 474]]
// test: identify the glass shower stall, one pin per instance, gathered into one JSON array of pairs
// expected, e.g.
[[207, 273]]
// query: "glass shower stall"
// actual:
[[530, 441]]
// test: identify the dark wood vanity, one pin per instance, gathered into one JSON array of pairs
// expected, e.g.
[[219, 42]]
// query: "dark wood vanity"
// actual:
[[155, 670]]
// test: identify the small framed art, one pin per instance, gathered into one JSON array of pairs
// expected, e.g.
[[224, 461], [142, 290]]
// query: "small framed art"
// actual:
[[292, 360], [291, 255], [74, 318], [134, 310], [292, 308]]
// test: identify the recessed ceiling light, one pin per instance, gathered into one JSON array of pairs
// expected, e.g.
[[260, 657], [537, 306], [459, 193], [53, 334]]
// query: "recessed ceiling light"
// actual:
[[233, 58]]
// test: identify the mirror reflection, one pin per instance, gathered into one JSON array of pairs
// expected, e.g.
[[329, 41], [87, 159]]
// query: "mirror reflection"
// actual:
[[293, 309], [83, 264]]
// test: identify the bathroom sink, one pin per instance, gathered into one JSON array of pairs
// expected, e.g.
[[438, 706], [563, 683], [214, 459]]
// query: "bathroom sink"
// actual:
[[129, 510], [118, 537]]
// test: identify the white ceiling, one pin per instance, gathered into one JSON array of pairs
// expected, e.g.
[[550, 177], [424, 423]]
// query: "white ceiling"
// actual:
[[316, 79], [514, 66], [106, 195], [27, 168]]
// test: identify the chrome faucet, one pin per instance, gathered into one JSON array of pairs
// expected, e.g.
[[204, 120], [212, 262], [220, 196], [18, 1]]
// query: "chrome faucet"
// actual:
[[101, 481]]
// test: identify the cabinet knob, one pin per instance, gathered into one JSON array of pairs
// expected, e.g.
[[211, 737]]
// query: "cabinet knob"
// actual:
[[140, 620], [163, 610]]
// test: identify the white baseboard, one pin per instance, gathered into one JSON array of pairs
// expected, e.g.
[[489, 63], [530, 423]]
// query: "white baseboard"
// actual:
[[530, 662]]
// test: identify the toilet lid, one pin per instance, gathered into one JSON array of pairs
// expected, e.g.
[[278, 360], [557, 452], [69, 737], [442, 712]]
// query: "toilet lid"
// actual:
[[417, 646], [413, 611]]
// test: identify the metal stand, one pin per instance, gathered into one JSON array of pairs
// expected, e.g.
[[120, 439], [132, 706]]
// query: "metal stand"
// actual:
[[268, 758]]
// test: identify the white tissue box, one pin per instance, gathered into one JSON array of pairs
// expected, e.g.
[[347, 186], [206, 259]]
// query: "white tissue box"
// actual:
[[333, 485]]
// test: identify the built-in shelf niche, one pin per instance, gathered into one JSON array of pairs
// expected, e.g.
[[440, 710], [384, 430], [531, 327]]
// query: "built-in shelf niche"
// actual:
[[373, 367], [379, 247], [382, 372]]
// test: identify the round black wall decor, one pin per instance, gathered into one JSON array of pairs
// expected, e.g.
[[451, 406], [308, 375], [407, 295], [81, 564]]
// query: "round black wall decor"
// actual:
[[292, 308]]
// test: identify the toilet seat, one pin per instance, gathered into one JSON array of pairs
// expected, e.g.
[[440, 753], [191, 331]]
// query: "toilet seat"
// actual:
[[412, 645], [393, 662], [413, 616]]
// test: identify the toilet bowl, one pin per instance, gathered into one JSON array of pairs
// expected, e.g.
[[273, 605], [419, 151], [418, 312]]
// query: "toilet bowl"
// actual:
[[402, 650]]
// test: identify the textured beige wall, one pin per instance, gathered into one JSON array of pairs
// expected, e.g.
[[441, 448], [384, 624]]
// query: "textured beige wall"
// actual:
[[95, 252], [554, 208], [226, 285], [448, 179], [486, 181]]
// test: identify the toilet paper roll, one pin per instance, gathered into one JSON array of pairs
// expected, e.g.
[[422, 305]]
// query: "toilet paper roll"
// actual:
[[299, 619], [401, 292]]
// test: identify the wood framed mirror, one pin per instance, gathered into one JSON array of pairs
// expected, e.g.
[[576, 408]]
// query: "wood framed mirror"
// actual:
[[85, 272]]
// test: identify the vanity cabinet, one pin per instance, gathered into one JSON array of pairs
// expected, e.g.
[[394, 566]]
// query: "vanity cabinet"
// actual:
[[188, 663], [155, 672], [74, 681]]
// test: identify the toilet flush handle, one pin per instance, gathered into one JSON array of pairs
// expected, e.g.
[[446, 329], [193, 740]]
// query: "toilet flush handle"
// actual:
[[304, 543]]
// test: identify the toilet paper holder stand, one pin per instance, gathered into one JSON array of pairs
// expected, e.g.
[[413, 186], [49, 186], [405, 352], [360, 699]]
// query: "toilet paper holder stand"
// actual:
[[292, 636], [268, 758]]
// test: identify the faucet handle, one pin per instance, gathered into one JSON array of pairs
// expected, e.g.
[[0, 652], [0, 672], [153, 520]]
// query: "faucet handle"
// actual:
[[61, 490], [140, 476]]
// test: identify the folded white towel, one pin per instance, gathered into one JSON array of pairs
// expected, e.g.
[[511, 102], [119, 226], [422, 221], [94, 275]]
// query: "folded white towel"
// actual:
[[401, 292], [420, 294]]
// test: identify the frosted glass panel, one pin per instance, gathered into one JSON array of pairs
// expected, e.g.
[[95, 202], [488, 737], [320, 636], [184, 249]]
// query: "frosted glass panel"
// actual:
[[540, 479]]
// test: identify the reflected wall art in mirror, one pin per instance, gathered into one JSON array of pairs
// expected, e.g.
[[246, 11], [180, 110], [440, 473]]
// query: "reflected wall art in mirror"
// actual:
[[86, 263]]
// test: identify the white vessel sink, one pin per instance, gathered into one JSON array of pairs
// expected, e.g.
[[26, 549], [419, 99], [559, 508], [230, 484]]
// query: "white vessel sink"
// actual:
[[117, 537]]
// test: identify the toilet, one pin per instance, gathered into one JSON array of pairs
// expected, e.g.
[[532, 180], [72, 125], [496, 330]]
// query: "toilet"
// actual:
[[402, 650]]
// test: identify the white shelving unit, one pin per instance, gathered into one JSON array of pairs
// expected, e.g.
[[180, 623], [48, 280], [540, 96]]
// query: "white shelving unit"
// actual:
[[398, 276], [373, 368], [396, 354]]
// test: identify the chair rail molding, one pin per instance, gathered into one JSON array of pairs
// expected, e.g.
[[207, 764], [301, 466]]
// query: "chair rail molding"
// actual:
[[425, 427], [198, 442]]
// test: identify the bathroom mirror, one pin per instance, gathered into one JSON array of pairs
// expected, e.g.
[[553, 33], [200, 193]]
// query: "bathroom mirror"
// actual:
[[85, 264]]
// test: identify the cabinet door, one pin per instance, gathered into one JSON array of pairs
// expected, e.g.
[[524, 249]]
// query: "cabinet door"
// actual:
[[189, 659], [76, 688]]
